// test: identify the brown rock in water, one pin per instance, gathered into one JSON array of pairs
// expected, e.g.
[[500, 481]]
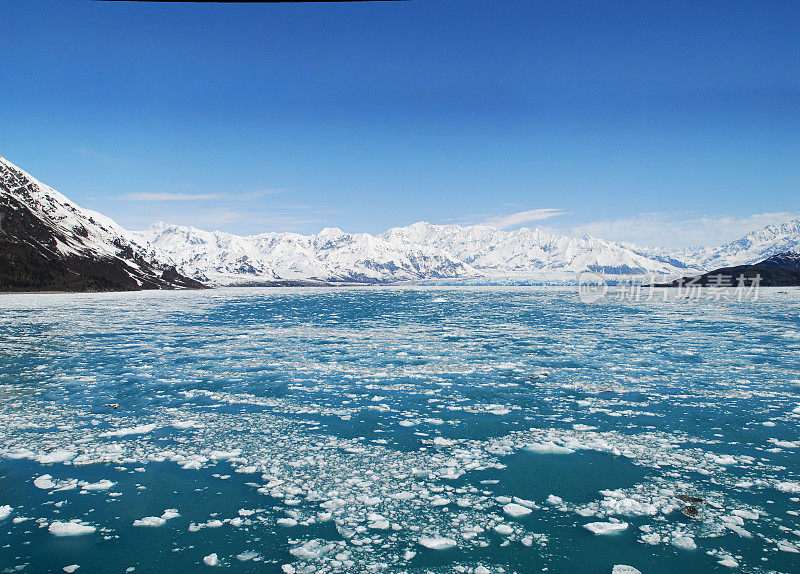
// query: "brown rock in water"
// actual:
[[691, 511]]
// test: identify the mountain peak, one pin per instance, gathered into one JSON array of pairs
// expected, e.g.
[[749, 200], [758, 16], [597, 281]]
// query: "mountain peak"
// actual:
[[48, 242]]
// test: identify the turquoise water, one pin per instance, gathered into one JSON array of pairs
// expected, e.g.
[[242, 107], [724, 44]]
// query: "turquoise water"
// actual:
[[351, 430]]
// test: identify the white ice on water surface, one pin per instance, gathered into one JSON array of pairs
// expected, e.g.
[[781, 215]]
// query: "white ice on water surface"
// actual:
[[70, 528], [389, 505], [141, 429], [437, 542], [515, 510], [606, 527], [168, 514]]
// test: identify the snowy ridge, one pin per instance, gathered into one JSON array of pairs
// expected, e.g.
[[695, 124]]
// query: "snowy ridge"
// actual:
[[425, 251], [526, 250], [756, 246], [47, 241], [330, 255], [81, 231], [419, 251]]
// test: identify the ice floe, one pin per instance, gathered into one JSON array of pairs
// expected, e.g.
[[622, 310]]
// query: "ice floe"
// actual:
[[74, 528], [437, 542], [606, 527]]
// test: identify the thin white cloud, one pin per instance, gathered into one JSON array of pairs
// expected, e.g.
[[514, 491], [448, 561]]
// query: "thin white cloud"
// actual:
[[677, 230], [263, 192], [169, 196], [520, 217]]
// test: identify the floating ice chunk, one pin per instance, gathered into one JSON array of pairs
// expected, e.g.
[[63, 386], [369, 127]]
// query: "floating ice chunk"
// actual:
[[628, 507], [442, 442], [141, 429], [652, 539], [71, 568], [311, 550], [287, 522], [211, 560], [168, 514], [70, 528], [786, 546], [515, 510], [44, 482], [606, 527], [436, 542], [20, 453], [624, 569], [99, 485], [788, 486], [187, 424], [748, 514], [684, 542], [582, 427], [449, 473], [553, 499], [784, 443], [548, 447], [503, 529], [728, 561], [405, 495], [379, 525], [735, 527], [723, 460], [5, 510], [245, 556], [58, 455], [224, 454], [150, 521]]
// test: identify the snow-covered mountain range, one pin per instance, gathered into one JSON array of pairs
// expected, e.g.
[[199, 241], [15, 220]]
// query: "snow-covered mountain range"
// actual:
[[47, 223], [330, 255], [425, 251]]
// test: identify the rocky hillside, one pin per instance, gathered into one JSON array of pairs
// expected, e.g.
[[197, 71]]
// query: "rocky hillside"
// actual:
[[47, 243]]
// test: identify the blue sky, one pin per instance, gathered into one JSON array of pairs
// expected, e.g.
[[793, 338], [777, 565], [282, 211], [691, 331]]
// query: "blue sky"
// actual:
[[664, 123]]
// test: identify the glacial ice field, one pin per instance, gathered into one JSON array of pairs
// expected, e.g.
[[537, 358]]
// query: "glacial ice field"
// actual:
[[468, 430]]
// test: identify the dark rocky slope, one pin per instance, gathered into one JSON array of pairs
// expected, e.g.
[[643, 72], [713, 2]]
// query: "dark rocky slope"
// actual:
[[781, 270], [47, 243]]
